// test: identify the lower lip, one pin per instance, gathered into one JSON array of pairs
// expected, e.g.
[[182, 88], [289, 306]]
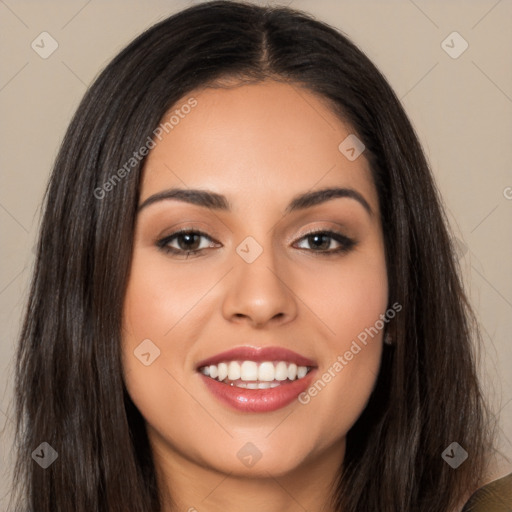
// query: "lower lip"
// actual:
[[258, 400]]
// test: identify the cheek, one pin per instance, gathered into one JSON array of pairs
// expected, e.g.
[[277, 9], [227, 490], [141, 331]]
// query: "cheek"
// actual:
[[154, 304], [152, 307], [156, 298], [349, 297], [351, 302], [164, 308]]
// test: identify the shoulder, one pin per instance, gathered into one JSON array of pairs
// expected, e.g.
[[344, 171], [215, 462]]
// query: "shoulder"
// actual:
[[496, 496]]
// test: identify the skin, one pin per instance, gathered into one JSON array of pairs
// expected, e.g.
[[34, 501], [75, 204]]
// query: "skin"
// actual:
[[260, 145]]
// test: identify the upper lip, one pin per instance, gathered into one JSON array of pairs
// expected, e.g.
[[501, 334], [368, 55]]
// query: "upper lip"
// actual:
[[257, 354]]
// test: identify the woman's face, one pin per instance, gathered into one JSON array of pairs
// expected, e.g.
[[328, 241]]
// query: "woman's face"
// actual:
[[258, 280]]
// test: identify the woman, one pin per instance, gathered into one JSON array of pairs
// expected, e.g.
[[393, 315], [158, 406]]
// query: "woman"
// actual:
[[245, 295]]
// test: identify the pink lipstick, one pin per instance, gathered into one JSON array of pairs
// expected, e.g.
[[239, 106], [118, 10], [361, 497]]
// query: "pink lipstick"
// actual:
[[252, 379]]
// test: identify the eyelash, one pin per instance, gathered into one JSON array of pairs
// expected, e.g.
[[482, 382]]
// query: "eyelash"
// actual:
[[346, 244]]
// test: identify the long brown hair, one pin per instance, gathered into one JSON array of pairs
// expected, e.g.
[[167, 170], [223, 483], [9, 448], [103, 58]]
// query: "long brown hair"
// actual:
[[69, 390]]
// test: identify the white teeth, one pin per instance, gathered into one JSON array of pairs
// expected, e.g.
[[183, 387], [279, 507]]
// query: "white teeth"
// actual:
[[266, 372], [252, 375], [223, 371], [233, 370], [249, 370], [281, 371], [255, 385]]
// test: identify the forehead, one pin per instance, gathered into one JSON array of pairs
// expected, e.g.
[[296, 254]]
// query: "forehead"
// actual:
[[265, 140]]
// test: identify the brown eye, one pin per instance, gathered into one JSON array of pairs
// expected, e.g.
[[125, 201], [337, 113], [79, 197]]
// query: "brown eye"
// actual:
[[186, 242], [321, 241]]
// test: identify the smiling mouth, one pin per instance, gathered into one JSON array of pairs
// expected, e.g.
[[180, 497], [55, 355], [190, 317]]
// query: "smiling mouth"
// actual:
[[255, 375]]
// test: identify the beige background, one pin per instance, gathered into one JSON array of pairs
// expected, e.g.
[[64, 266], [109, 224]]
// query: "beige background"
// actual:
[[461, 108]]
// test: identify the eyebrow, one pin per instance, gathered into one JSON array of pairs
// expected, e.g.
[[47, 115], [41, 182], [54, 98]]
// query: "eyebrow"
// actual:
[[214, 201]]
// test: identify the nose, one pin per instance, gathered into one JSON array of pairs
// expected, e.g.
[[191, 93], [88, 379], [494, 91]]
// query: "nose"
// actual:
[[258, 293]]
